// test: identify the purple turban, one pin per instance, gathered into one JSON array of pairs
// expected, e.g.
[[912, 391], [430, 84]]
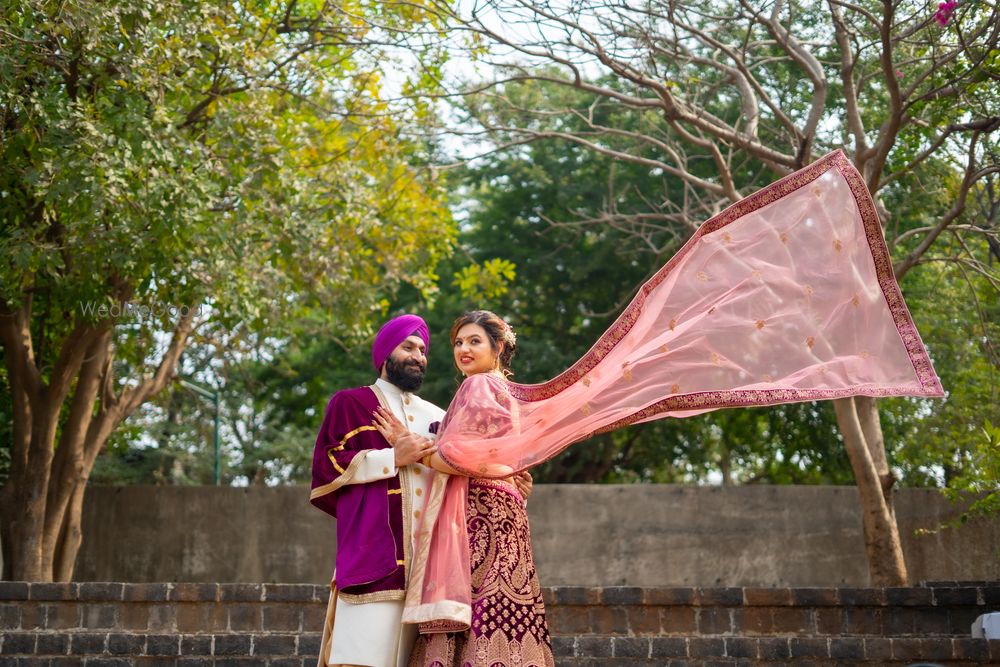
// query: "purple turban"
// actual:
[[394, 332]]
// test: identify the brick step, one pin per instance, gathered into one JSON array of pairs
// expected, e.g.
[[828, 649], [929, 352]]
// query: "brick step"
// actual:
[[289, 648], [604, 651], [806, 612], [57, 649], [279, 624], [207, 608]]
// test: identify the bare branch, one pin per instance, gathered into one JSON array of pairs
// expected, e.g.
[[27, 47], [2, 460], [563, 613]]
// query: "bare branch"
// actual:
[[971, 176], [133, 397]]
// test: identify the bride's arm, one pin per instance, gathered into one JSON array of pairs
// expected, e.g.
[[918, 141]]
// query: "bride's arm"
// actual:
[[475, 417], [435, 461]]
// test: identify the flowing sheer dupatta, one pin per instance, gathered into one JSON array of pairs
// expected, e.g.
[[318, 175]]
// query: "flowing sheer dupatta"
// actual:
[[786, 296]]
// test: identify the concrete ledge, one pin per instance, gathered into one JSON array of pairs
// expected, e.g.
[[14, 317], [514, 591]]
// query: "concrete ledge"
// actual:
[[589, 535]]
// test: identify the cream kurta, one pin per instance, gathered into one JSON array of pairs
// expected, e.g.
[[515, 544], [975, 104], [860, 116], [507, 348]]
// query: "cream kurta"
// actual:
[[371, 633]]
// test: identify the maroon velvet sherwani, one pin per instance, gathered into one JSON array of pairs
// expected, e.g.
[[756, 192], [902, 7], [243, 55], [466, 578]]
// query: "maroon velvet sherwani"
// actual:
[[370, 553], [376, 505]]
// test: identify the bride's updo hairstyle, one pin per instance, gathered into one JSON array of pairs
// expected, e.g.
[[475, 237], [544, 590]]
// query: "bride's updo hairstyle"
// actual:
[[497, 330]]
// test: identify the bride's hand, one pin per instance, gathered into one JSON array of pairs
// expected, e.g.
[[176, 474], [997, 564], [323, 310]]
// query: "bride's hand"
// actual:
[[523, 482]]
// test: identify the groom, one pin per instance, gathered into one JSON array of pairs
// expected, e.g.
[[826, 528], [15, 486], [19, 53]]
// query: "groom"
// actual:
[[361, 480]]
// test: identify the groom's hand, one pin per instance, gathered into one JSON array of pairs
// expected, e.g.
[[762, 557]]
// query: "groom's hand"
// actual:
[[411, 447]]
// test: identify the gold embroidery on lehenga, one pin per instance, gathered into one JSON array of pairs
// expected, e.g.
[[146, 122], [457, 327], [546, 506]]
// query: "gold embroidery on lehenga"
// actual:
[[673, 324], [838, 245], [759, 324], [664, 349], [856, 300], [783, 237], [586, 381], [808, 290], [585, 409], [674, 388], [810, 341], [702, 276], [716, 358], [508, 621]]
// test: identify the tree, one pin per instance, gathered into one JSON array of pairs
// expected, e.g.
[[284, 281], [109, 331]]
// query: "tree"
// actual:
[[730, 95], [177, 170], [536, 205]]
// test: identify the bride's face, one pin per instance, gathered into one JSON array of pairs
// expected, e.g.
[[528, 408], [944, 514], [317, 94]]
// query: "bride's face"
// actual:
[[473, 350]]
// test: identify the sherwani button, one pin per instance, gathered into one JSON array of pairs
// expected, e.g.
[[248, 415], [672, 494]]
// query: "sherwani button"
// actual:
[[416, 514], [410, 417], [385, 471], [420, 492]]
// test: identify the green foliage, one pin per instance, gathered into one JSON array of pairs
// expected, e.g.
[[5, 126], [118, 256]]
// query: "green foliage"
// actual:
[[981, 479], [175, 152], [557, 239], [244, 160], [485, 281]]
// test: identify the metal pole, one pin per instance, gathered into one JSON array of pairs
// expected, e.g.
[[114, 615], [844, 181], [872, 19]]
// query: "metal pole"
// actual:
[[214, 397], [218, 472]]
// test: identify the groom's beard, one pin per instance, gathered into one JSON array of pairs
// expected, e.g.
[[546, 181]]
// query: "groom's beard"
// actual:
[[407, 375]]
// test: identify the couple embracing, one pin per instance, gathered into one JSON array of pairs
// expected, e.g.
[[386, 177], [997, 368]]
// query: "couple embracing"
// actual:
[[377, 469], [786, 296]]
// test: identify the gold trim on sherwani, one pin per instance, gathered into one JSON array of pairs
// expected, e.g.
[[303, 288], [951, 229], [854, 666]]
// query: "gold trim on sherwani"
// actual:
[[404, 487], [345, 476]]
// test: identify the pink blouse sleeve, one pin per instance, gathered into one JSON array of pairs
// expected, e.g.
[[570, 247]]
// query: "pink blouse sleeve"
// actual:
[[481, 423]]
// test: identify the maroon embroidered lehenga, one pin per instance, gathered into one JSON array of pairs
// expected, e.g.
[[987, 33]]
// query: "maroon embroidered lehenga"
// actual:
[[508, 616]]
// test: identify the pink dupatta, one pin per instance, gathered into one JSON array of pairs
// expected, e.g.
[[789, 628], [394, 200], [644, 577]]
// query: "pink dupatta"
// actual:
[[786, 296]]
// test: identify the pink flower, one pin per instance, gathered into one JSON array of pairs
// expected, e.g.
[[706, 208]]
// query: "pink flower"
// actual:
[[899, 74], [944, 12]]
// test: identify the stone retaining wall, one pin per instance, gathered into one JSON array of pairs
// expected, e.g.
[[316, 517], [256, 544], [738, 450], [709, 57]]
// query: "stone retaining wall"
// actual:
[[591, 535]]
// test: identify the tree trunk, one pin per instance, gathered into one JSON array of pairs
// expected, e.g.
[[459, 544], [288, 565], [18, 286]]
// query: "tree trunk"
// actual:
[[858, 421], [70, 536], [41, 505], [68, 466]]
